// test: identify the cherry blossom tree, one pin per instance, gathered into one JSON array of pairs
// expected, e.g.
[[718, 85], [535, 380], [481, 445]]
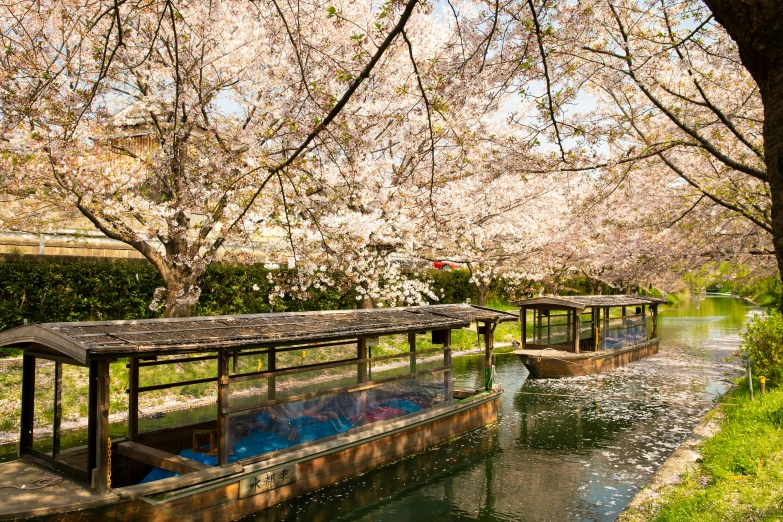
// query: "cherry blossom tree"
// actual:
[[232, 102], [490, 212], [665, 88]]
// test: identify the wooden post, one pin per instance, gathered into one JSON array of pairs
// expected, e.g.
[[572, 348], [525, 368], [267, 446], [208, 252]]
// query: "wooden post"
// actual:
[[606, 326], [102, 472], [58, 408], [361, 353], [540, 324], [369, 365], [271, 365], [92, 424], [489, 346], [654, 321], [625, 327], [133, 399], [523, 319], [361, 374], [412, 346], [28, 403], [447, 391], [222, 403], [549, 328], [577, 320]]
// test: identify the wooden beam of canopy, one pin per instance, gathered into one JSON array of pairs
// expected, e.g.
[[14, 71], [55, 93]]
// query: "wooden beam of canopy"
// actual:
[[83, 341], [581, 302]]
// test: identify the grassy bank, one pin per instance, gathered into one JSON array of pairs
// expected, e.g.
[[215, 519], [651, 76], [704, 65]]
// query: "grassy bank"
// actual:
[[740, 476]]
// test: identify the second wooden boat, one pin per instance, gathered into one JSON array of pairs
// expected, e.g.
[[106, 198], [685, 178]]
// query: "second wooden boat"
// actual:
[[582, 335]]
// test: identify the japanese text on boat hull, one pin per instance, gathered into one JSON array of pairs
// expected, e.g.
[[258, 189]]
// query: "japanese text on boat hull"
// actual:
[[267, 480]]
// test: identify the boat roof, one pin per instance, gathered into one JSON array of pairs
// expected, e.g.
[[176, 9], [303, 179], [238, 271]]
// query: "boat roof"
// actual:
[[580, 302], [81, 341], [472, 313]]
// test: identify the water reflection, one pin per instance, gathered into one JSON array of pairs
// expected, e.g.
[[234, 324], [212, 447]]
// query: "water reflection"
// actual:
[[571, 449]]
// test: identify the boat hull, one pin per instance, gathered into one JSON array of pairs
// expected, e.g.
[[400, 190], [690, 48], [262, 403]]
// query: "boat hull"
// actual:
[[550, 364], [308, 468]]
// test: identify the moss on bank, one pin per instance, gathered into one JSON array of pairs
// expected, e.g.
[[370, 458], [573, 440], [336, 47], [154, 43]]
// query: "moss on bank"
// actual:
[[740, 476]]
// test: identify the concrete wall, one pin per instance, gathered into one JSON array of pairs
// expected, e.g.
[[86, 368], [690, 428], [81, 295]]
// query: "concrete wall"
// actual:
[[65, 244]]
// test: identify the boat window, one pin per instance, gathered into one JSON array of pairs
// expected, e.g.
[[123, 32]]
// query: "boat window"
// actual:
[[616, 327], [285, 425], [282, 397], [191, 379], [74, 404], [43, 409], [60, 401], [624, 330]]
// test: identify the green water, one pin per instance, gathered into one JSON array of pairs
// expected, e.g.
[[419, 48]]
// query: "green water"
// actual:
[[549, 457]]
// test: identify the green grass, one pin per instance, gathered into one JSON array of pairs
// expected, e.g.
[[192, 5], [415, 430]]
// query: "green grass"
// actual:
[[741, 475]]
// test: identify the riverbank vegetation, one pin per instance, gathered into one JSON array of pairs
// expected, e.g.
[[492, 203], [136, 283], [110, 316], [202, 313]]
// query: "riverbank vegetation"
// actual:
[[738, 279], [740, 475], [51, 292], [763, 346]]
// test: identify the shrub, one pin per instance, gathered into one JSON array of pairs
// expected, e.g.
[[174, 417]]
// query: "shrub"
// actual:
[[44, 292], [763, 345], [53, 292], [451, 286]]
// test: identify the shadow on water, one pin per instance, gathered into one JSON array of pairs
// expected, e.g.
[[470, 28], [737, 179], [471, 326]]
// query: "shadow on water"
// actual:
[[579, 457]]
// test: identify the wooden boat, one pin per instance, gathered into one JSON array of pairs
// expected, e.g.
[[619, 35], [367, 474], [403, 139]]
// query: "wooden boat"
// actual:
[[578, 335], [299, 426]]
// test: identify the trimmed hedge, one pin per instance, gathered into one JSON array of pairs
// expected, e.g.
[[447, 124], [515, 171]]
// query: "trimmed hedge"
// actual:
[[228, 290], [451, 286], [44, 292], [88, 291], [49, 292]]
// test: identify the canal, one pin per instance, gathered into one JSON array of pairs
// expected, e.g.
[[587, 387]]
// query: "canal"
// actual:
[[572, 449]]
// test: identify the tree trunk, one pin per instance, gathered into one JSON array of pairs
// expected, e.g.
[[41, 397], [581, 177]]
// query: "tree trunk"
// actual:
[[366, 303], [481, 294], [178, 310], [181, 291], [772, 96], [757, 28]]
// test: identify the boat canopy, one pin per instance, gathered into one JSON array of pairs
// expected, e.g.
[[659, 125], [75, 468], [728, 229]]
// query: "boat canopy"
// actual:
[[580, 302], [82, 341], [587, 323]]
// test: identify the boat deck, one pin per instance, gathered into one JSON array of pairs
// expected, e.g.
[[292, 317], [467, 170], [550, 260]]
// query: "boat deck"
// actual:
[[24, 502], [561, 354]]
